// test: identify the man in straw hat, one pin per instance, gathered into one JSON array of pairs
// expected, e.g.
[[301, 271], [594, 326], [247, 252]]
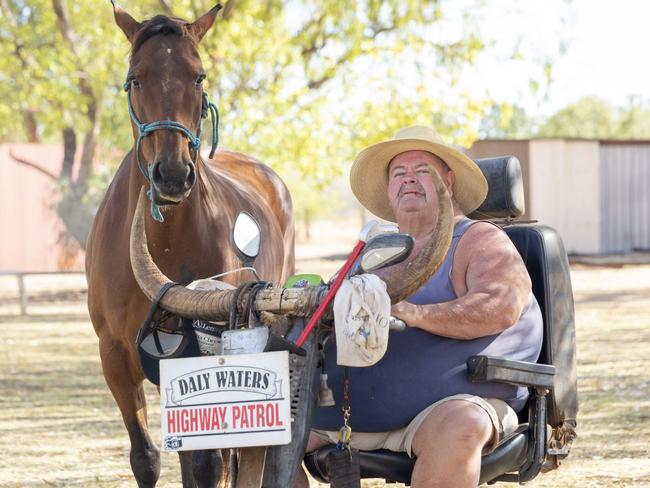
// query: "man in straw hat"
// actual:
[[417, 399]]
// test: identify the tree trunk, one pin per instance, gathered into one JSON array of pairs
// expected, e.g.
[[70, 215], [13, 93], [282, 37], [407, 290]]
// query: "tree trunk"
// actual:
[[31, 128], [69, 151]]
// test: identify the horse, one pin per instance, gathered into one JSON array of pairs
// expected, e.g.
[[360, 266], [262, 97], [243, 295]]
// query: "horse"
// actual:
[[193, 202]]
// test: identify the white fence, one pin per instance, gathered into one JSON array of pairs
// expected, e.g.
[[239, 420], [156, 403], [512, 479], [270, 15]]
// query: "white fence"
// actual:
[[42, 292]]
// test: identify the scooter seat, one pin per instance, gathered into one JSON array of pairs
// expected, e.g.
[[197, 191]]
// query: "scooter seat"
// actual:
[[509, 455]]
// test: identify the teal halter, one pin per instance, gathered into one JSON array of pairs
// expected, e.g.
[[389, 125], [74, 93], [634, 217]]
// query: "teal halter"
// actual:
[[144, 129]]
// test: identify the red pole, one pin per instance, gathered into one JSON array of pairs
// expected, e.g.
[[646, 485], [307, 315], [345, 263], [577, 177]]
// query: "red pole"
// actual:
[[331, 293]]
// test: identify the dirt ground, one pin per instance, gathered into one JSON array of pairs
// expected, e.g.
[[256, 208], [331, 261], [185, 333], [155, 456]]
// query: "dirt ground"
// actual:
[[60, 426]]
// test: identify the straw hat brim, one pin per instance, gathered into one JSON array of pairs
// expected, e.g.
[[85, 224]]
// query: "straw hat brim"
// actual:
[[369, 175]]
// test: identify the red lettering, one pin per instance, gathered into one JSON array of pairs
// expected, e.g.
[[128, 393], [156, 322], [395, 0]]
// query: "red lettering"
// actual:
[[244, 417], [194, 418], [171, 421], [236, 415], [275, 407], [204, 418], [222, 414], [269, 414], [215, 419], [184, 423], [261, 421], [251, 416]]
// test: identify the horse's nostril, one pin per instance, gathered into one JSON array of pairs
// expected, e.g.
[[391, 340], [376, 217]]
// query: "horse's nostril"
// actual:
[[191, 176], [156, 173]]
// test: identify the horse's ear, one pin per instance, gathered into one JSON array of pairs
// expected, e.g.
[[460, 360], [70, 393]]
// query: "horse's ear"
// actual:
[[125, 22], [203, 23]]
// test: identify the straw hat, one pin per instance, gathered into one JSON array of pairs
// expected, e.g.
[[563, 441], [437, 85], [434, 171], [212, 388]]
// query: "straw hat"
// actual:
[[369, 173]]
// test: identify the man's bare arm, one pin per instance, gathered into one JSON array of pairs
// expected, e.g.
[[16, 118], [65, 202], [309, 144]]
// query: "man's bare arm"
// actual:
[[495, 289]]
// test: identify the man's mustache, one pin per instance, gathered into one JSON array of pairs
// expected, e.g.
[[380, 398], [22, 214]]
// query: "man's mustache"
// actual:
[[412, 188]]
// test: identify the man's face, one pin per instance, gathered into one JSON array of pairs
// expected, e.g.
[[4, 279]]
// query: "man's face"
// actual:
[[410, 184]]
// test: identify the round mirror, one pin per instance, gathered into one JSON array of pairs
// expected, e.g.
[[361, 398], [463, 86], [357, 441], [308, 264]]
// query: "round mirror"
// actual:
[[246, 237]]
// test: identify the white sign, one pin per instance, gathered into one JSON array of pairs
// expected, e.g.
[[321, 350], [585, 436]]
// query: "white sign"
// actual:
[[225, 401]]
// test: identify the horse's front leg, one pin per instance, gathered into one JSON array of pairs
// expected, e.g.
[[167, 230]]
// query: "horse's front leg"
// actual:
[[124, 380]]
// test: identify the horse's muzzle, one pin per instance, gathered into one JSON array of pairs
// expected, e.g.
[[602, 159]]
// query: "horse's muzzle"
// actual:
[[172, 183]]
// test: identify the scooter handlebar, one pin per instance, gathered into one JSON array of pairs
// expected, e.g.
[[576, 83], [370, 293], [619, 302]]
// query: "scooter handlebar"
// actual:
[[396, 325]]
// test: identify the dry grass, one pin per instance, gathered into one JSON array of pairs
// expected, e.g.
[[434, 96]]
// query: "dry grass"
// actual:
[[60, 426]]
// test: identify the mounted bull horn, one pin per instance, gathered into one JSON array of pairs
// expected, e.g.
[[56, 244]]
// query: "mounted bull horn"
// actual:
[[215, 305], [204, 305]]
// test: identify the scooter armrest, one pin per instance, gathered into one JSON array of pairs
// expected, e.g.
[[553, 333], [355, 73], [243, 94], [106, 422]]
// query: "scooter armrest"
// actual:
[[481, 369]]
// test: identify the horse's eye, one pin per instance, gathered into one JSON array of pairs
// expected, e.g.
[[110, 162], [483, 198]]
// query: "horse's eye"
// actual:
[[135, 83], [200, 79]]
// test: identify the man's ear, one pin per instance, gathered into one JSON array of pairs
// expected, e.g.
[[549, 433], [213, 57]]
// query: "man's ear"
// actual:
[[125, 22], [450, 179], [202, 25]]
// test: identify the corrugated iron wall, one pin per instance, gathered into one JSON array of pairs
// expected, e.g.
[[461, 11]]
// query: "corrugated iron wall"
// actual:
[[625, 196], [29, 226]]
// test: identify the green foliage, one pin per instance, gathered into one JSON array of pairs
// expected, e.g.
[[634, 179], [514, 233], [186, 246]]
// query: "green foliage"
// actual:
[[594, 118], [589, 117], [506, 121], [301, 85], [41, 68]]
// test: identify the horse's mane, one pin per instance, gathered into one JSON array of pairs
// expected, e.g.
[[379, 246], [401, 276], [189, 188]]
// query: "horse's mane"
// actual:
[[160, 24]]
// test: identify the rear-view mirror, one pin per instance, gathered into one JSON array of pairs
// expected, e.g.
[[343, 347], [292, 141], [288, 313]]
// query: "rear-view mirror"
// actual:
[[382, 251], [246, 238]]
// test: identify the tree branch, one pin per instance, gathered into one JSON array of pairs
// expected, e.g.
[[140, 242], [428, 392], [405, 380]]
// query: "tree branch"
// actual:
[[228, 9], [63, 21], [166, 6], [31, 127], [88, 151], [33, 165]]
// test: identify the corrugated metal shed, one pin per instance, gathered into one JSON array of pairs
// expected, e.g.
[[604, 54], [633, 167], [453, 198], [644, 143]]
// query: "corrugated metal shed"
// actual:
[[625, 196], [596, 193]]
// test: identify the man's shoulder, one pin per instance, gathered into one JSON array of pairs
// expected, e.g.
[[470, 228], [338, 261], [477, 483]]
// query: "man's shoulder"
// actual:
[[483, 243], [481, 234]]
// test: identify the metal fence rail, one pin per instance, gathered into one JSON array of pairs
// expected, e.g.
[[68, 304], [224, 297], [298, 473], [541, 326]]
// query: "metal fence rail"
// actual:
[[22, 289]]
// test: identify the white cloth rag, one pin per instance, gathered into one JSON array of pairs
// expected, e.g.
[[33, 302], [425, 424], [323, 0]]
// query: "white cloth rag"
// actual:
[[361, 315]]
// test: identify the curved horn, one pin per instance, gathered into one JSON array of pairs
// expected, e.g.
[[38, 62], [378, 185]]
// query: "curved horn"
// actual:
[[409, 278], [205, 305]]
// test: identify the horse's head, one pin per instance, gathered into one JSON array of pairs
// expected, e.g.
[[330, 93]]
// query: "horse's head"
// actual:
[[166, 100]]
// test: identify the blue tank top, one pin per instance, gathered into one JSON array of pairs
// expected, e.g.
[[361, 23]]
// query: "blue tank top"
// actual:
[[420, 368]]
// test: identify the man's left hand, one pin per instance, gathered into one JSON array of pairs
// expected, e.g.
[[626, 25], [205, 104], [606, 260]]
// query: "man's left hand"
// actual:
[[407, 312]]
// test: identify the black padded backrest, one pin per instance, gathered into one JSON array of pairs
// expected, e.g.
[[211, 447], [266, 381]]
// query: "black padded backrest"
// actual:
[[543, 253], [505, 197]]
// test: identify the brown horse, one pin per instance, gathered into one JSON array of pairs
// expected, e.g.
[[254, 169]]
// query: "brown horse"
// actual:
[[199, 201]]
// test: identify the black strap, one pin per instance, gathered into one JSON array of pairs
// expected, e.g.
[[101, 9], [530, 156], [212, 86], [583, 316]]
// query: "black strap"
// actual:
[[156, 341], [249, 309], [253, 287], [148, 323], [233, 316]]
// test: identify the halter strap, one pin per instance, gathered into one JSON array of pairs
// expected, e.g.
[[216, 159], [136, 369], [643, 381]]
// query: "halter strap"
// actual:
[[144, 129]]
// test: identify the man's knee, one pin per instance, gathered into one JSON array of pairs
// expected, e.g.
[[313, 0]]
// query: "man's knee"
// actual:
[[315, 442], [453, 425]]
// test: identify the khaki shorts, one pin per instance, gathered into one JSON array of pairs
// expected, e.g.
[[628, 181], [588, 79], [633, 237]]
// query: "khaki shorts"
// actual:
[[504, 420]]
